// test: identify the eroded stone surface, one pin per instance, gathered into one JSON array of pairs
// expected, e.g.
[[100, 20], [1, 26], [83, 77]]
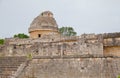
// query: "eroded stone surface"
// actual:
[[74, 68]]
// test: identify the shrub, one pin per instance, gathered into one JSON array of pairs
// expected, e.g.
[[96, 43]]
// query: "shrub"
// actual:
[[1, 41], [21, 35]]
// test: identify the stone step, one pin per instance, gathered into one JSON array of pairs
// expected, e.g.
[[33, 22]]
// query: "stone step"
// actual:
[[9, 65]]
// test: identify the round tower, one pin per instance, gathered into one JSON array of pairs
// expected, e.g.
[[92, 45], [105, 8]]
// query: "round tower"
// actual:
[[44, 24]]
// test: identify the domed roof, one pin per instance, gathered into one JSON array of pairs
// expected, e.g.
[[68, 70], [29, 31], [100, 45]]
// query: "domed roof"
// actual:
[[44, 21]]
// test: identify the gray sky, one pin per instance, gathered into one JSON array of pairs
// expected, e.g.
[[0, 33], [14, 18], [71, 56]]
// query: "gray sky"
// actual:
[[85, 16]]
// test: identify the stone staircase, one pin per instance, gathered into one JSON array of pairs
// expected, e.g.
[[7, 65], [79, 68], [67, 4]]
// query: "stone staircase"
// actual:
[[9, 65]]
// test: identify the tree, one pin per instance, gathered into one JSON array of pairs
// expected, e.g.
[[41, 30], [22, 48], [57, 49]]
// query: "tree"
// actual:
[[67, 31], [1, 41], [21, 35]]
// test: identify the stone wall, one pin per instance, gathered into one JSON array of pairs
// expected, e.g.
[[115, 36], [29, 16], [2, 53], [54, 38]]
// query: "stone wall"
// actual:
[[112, 50], [40, 33], [73, 68], [55, 49]]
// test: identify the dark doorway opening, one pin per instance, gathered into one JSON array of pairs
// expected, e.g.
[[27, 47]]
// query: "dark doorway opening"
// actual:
[[39, 35]]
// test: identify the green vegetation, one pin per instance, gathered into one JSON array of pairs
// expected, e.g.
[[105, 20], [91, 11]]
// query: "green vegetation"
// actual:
[[2, 41], [29, 56], [118, 76], [21, 35], [67, 31]]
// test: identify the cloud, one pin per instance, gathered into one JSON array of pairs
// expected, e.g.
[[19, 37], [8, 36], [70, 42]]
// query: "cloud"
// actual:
[[1, 2]]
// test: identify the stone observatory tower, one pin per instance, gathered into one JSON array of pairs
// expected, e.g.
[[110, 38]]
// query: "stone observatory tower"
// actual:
[[42, 25]]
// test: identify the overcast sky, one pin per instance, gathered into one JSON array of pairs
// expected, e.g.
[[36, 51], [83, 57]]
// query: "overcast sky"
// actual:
[[85, 16]]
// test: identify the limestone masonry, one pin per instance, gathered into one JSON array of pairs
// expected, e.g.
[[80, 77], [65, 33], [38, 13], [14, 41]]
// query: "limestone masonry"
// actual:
[[52, 55]]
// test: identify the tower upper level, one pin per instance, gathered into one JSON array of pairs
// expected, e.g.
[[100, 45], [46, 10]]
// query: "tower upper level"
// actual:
[[43, 24], [44, 21]]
